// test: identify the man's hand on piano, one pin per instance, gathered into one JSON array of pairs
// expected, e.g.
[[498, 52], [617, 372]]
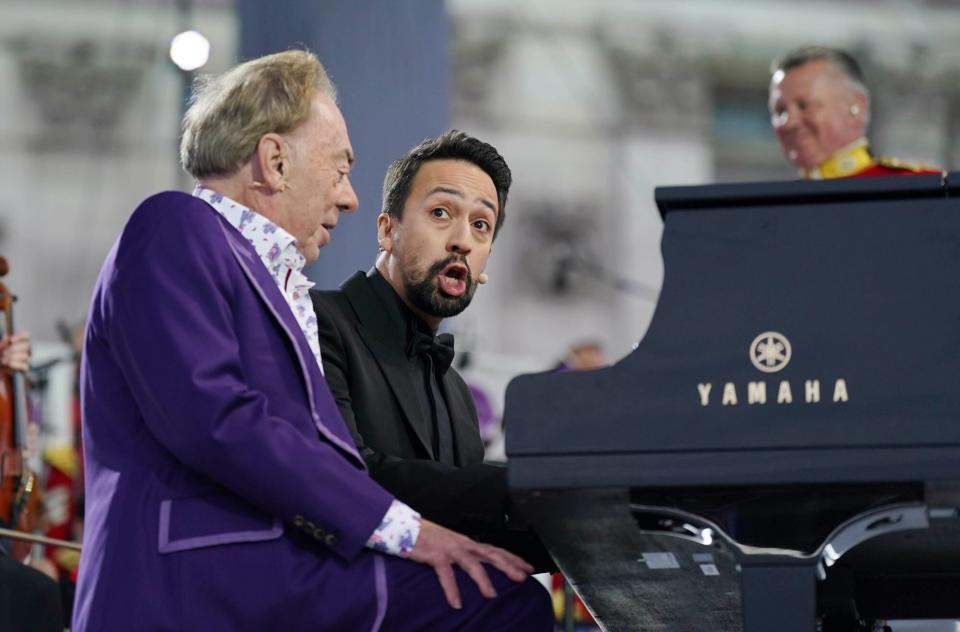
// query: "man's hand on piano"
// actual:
[[441, 548]]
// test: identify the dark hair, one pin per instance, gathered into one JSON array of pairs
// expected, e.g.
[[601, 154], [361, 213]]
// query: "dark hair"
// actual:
[[841, 59], [452, 145]]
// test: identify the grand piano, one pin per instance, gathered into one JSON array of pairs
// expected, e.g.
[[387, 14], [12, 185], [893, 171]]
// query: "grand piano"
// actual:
[[781, 451]]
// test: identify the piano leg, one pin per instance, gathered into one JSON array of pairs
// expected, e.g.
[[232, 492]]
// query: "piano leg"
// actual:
[[778, 595]]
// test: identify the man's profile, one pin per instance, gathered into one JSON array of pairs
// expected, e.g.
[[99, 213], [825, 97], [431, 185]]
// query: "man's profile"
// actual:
[[223, 490]]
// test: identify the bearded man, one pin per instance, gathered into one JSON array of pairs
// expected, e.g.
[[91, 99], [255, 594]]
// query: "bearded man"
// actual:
[[410, 413], [223, 490]]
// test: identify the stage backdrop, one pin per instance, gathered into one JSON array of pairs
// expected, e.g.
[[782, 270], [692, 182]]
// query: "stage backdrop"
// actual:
[[389, 62]]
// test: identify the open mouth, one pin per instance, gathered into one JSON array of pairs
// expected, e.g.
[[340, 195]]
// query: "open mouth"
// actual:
[[453, 279]]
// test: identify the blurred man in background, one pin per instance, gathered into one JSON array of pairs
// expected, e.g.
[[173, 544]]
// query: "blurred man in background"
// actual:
[[29, 597], [820, 110]]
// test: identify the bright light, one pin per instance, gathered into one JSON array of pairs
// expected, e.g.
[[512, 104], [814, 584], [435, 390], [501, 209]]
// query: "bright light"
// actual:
[[189, 50], [830, 555], [706, 537]]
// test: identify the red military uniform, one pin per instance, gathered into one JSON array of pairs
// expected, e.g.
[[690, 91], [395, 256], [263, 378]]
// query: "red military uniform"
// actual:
[[856, 161], [61, 499], [892, 167]]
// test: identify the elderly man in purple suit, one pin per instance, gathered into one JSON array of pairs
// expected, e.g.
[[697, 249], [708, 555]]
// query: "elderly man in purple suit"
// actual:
[[223, 489]]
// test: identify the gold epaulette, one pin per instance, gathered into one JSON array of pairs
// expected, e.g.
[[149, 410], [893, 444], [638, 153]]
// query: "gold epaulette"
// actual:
[[64, 458], [896, 163]]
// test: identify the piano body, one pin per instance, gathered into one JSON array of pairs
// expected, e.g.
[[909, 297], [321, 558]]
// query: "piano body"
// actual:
[[782, 449]]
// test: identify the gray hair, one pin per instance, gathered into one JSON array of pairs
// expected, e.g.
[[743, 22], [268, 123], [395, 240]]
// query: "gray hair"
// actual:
[[839, 58], [230, 113]]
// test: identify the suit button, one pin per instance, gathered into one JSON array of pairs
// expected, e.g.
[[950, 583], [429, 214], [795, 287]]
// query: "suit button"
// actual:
[[330, 539], [308, 526], [318, 533], [298, 520]]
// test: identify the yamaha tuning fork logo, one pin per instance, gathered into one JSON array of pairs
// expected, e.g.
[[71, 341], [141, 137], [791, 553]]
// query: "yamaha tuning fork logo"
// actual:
[[770, 352]]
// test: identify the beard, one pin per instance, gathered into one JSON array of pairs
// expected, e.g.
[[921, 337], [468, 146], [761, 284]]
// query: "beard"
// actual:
[[430, 300]]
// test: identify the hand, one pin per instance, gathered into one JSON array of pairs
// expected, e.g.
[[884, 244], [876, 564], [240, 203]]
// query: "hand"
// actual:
[[15, 352], [441, 548]]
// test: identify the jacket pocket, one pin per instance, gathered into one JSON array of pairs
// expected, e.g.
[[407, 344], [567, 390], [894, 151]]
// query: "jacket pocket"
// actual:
[[212, 520]]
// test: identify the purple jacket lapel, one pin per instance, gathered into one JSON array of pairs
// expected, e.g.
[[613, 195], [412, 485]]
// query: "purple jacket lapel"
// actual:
[[326, 415]]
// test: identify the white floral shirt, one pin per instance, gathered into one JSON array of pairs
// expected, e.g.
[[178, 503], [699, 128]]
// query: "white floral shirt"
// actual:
[[277, 249]]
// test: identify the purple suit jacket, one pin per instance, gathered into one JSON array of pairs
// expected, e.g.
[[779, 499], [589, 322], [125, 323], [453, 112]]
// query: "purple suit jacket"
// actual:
[[223, 491]]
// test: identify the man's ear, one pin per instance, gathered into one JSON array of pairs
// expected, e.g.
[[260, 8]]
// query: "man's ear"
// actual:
[[386, 225], [272, 165], [861, 103]]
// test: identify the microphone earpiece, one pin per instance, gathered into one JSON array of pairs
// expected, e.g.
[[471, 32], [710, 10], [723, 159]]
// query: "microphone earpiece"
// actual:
[[482, 278]]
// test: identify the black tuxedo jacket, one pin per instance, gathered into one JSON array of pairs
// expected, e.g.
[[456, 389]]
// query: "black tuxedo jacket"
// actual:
[[364, 360]]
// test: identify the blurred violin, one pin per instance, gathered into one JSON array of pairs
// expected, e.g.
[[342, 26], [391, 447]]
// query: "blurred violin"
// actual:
[[19, 498]]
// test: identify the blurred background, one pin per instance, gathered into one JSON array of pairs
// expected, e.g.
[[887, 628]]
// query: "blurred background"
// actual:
[[593, 103]]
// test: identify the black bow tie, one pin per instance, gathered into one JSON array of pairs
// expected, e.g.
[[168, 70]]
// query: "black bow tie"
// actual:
[[439, 348]]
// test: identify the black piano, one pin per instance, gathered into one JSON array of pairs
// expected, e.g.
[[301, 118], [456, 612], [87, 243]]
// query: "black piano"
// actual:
[[781, 451]]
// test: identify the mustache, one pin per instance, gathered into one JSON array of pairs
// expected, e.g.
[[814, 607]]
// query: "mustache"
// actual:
[[435, 269]]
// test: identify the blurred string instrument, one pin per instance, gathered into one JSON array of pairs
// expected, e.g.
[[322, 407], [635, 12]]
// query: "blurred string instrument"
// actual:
[[19, 491]]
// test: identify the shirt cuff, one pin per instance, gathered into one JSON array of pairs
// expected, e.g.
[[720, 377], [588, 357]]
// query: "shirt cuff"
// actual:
[[398, 531]]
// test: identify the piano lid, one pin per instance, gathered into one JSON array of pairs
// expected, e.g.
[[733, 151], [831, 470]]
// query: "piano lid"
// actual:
[[805, 332], [800, 192]]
